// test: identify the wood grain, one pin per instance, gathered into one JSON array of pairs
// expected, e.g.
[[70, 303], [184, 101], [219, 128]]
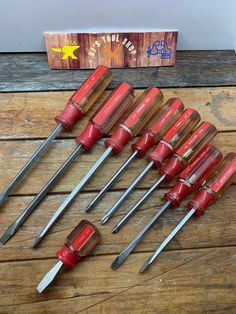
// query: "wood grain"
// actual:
[[31, 115], [211, 230], [192, 68], [14, 154], [116, 50], [196, 271], [191, 280]]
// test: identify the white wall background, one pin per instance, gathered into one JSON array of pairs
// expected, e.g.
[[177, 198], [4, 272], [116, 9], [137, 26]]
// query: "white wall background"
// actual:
[[202, 24]]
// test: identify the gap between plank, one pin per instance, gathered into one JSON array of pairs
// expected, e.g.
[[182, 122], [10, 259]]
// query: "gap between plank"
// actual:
[[115, 254]]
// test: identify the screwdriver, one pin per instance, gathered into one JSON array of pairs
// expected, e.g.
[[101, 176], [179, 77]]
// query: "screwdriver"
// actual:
[[189, 180], [172, 110], [79, 103], [144, 108], [211, 192], [183, 156], [170, 142], [100, 123], [79, 243]]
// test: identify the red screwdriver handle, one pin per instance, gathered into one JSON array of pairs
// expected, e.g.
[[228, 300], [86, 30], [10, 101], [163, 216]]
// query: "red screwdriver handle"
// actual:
[[79, 243], [144, 108], [175, 136], [189, 150], [171, 111], [194, 175], [107, 115], [216, 186], [81, 101]]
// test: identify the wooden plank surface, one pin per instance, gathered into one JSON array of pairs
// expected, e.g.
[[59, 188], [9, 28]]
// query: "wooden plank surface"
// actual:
[[196, 272], [197, 281], [31, 115], [30, 72]]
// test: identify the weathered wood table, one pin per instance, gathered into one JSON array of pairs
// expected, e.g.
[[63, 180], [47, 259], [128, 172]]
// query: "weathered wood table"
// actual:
[[197, 271]]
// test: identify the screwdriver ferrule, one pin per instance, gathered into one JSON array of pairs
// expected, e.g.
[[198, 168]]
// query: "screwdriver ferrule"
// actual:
[[201, 201], [120, 137], [89, 136], [162, 151], [177, 193], [142, 145], [67, 256], [172, 168], [69, 116]]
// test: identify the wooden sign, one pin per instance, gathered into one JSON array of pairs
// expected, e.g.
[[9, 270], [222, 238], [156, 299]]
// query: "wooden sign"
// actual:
[[115, 50]]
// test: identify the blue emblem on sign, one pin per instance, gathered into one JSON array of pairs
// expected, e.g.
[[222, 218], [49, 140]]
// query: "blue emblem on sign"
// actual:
[[159, 47]]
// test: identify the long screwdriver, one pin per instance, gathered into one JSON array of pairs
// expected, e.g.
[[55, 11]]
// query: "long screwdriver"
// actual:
[[79, 103], [170, 142], [183, 156], [189, 180], [211, 192], [145, 107], [100, 123], [172, 110], [79, 243]]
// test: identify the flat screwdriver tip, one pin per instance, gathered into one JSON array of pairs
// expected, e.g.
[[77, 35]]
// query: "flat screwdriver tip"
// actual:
[[49, 277], [11, 230], [36, 242], [40, 288], [4, 239], [145, 266]]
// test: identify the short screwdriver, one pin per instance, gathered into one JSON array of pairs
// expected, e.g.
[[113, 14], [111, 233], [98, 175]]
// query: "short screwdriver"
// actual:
[[144, 108], [79, 243], [116, 104], [170, 142], [183, 156], [189, 180], [211, 192], [79, 103], [172, 110]]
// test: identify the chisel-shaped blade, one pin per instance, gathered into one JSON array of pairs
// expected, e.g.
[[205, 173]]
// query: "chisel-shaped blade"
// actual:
[[48, 278]]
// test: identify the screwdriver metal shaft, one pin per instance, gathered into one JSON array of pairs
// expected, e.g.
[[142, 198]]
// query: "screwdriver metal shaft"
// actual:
[[173, 109], [72, 195], [182, 157], [30, 163], [101, 122], [78, 104], [189, 180], [133, 209], [111, 181], [14, 227], [145, 106], [169, 143], [151, 259], [125, 253], [216, 185], [117, 204]]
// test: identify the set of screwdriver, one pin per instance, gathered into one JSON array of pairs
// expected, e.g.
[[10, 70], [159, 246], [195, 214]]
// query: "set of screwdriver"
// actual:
[[181, 150]]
